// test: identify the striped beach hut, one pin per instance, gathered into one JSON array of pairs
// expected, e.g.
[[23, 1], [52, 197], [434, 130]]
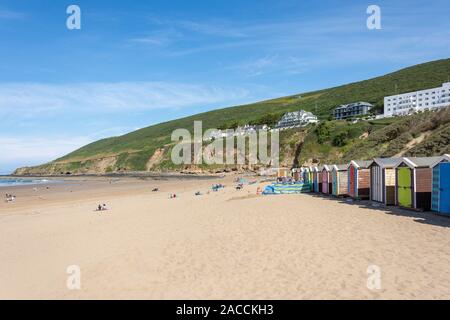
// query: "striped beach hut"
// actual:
[[317, 178], [326, 180], [440, 197], [414, 182], [359, 179], [382, 180], [311, 174], [307, 174], [339, 175]]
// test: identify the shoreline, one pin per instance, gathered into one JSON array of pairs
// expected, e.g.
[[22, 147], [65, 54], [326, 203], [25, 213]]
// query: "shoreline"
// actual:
[[175, 175]]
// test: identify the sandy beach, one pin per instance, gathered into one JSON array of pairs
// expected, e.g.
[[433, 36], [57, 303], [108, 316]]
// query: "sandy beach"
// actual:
[[223, 245]]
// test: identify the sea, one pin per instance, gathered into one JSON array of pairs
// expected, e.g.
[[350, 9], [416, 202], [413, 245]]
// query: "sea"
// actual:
[[8, 181]]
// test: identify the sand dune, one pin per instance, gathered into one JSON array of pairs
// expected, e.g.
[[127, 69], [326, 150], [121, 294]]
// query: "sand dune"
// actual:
[[223, 245]]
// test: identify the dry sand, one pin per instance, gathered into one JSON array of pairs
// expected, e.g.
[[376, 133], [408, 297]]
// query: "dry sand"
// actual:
[[223, 245]]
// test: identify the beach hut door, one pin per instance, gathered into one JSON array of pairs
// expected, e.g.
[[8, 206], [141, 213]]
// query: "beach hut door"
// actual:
[[435, 192], [352, 179], [404, 187], [444, 174], [335, 183]]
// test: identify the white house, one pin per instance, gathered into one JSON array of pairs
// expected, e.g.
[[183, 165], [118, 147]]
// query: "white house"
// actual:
[[239, 131], [296, 119], [407, 103]]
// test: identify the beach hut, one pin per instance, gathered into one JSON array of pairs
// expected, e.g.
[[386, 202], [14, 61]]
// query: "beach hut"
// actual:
[[307, 174], [283, 173], [414, 182], [326, 180], [297, 174], [311, 174], [382, 180], [440, 197], [339, 175], [359, 179], [317, 179]]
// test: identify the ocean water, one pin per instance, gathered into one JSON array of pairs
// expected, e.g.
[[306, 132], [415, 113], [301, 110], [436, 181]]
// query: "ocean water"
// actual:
[[7, 182]]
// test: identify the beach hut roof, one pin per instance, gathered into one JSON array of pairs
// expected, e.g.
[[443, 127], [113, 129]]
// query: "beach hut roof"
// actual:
[[340, 167], [319, 168], [421, 162], [326, 167], [362, 164], [445, 158], [387, 162]]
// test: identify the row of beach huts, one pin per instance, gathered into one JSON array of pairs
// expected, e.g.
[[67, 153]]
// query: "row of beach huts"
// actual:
[[421, 183]]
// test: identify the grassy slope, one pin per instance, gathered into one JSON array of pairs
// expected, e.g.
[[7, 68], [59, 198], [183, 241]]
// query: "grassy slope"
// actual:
[[135, 148], [380, 138]]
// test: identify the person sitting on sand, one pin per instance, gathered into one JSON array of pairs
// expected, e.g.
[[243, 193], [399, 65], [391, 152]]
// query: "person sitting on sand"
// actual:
[[10, 197], [101, 207]]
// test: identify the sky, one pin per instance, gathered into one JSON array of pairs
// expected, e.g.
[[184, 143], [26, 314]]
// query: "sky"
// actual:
[[137, 63]]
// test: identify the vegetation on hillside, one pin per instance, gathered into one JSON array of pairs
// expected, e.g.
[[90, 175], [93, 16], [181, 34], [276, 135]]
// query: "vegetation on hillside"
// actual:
[[331, 141]]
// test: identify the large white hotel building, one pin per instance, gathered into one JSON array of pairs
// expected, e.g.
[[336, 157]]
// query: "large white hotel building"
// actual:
[[407, 103]]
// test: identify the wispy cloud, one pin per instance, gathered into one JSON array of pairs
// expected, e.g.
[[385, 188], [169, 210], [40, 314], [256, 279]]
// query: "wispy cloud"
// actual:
[[157, 38], [29, 150], [10, 15], [213, 27], [281, 64], [322, 40], [36, 99]]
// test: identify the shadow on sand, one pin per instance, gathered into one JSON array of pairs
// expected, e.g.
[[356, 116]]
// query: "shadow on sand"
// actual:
[[431, 218]]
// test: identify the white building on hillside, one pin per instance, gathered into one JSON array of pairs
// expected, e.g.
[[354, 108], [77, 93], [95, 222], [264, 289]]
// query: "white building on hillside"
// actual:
[[296, 119], [239, 131], [249, 129], [407, 103], [352, 110]]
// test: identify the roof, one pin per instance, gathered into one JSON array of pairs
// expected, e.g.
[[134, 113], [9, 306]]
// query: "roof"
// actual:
[[354, 104], [445, 158], [363, 164], [340, 167], [326, 167], [422, 162], [387, 162]]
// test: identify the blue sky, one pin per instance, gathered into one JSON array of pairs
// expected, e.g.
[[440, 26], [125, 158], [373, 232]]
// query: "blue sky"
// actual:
[[136, 63]]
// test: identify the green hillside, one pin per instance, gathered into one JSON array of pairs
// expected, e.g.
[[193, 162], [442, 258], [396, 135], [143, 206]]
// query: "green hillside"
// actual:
[[134, 150]]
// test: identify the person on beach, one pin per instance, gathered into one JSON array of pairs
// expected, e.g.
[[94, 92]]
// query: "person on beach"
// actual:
[[101, 207], [10, 198]]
